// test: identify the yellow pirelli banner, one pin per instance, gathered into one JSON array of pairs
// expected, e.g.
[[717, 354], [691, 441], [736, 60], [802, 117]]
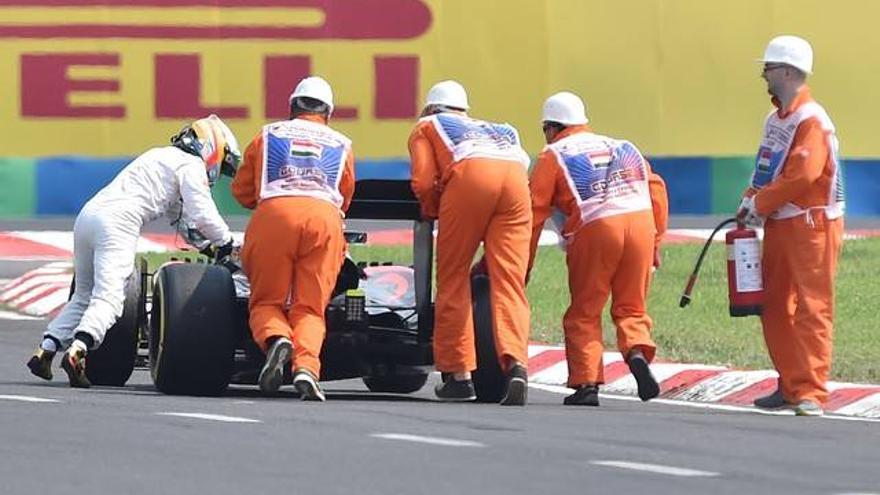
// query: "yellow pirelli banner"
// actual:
[[678, 77]]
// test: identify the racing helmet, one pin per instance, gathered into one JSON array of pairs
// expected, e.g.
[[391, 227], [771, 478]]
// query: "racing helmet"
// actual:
[[212, 141]]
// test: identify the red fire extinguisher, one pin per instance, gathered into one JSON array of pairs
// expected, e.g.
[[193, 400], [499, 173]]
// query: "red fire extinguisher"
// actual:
[[744, 283]]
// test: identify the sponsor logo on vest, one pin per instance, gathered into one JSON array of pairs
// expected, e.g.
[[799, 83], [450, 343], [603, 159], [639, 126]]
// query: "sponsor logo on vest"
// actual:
[[305, 149], [601, 158], [764, 157]]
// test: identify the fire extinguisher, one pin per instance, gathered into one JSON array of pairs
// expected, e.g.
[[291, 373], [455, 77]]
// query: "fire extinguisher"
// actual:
[[745, 287]]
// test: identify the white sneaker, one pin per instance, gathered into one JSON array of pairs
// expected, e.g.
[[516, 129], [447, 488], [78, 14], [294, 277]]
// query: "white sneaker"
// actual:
[[808, 408], [272, 374], [307, 385]]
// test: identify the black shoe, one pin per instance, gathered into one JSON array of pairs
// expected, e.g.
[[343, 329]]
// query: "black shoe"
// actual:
[[307, 385], [40, 363], [452, 390], [73, 362], [648, 386], [277, 358], [772, 401], [585, 395], [517, 392]]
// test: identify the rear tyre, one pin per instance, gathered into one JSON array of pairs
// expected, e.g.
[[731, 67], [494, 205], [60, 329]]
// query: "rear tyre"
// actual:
[[112, 363], [489, 380], [192, 329], [396, 382]]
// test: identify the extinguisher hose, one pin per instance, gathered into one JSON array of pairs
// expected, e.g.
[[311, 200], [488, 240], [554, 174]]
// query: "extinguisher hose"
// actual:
[[692, 280]]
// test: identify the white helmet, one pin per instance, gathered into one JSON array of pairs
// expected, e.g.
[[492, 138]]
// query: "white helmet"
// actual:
[[565, 108], [448, 93], [790, 50], [314, 87]]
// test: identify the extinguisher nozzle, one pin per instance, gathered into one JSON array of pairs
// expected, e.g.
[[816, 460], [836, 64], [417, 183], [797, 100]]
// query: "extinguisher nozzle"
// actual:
[[684, 301]]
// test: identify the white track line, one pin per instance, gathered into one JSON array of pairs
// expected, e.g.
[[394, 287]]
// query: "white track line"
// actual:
[[210, 417], [27, 398], [556, 389], [446, 442], [655, 468], [9, 315]]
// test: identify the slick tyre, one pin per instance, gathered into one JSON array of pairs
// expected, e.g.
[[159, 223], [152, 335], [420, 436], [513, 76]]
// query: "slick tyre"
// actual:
[[112, 363], [192, 329], [402, 383], [489, 380]]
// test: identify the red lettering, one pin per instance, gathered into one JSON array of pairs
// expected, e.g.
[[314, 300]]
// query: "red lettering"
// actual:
[[45, 85], [178, 90], [343, 20], [397, 82], [345, 113], [281, 74]]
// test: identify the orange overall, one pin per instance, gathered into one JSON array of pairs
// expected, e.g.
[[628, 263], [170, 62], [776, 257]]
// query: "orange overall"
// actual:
[[616, 211], [476, 184], [294, 243], [803, 236]]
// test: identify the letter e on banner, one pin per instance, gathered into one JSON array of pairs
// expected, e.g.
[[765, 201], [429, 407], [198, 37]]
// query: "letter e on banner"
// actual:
[[178, 90], [46, 85]]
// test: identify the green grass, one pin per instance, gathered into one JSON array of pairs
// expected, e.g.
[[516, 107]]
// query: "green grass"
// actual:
[[703, 332]]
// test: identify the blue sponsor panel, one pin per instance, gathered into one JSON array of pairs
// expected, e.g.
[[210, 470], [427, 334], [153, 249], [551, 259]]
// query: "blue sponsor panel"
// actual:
[[689, 182], [392, 169], [861, 181], [64, 184]]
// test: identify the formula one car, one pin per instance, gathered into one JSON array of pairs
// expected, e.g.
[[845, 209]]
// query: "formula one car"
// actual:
[[379, 321]]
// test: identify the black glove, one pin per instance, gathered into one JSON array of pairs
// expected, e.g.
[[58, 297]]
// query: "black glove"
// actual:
[[208, 251], [223, 251]]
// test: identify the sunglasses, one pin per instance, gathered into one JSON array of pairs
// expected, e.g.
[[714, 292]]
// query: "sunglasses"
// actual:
[[772, 67]]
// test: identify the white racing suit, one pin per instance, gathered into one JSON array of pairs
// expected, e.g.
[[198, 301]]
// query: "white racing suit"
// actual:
[[159, 182]]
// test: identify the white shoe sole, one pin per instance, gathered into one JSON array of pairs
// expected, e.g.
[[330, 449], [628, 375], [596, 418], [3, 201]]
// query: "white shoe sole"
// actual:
[[308, 388], [272, 374], [808, 413]]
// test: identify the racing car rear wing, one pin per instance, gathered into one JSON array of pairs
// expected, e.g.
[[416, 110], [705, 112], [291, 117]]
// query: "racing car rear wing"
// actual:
[[383, 199], [393, 199]]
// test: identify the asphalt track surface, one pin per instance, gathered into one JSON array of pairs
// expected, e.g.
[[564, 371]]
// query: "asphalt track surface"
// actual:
[[133, 440]]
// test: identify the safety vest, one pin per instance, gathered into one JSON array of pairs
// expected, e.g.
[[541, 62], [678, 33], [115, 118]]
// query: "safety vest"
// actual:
[[778, 138], [606, 176], [303, 158], [472, 138]]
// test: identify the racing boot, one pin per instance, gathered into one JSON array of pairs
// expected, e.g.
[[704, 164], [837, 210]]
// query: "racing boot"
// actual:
[[73, 362], [647, 384], [306, 383], [40, 363], [517, 390], [272, 374]]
